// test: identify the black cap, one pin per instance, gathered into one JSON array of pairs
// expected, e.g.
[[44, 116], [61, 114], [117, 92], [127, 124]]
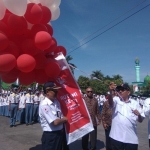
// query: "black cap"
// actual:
[[123, 86], [15, 88], [50, 86]]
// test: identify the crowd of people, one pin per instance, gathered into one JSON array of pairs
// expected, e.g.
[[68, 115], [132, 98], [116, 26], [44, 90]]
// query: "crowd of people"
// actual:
[[21, 106], [117, 111]]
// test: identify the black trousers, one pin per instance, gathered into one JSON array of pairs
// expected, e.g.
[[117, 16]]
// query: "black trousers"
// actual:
[[108, 139], [149, 143], [64, 142], [52, 140], [116, 145], [93, 139]]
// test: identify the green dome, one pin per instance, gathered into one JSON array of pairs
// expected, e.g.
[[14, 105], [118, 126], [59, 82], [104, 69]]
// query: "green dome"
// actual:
[[147, 79], [137, 61]]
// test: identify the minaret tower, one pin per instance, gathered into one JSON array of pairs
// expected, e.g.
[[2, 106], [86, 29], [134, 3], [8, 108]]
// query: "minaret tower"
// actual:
[[137, 69]]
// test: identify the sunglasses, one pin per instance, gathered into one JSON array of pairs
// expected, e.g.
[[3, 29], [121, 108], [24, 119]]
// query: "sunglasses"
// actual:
[[89, 91]]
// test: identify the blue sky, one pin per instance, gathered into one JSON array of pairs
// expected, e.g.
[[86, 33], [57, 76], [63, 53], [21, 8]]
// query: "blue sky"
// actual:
[[114, 51]]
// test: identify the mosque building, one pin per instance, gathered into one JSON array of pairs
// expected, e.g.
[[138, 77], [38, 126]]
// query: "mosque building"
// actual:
[[138, 84]]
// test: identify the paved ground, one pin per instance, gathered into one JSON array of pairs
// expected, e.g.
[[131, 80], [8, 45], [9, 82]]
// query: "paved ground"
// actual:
[[25, 137]]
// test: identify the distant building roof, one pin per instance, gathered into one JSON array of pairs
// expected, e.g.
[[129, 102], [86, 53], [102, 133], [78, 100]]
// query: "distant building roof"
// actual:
[[147, 79]]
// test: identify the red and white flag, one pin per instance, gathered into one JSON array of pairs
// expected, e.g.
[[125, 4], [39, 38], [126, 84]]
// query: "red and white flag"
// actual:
[[72, 104]]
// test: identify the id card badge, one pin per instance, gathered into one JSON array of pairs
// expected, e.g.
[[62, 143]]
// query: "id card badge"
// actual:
[[58, 114]]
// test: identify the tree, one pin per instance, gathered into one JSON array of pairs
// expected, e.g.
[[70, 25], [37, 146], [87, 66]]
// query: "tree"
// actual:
[[117, 79], [98, 82], [98, 74], [145, 90], [83, 82], [68, 59]]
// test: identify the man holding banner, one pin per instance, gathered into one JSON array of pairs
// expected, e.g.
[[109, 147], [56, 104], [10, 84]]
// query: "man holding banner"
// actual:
[[51, 118], [93, 108]]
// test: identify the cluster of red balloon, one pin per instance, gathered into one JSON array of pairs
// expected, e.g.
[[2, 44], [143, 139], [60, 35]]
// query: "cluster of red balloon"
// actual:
[[26, 43]]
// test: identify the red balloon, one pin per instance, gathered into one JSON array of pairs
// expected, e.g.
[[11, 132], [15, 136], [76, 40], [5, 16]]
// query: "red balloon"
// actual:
[[6, 16], [2, 72], [43, 40], [17, 24], [40, 61], [52, 69], [38, 27], [4, 42], [7, 62], [49, 28], [7, 79], [11, 76], [46, 15], [41, 76], [28, 47], [60, 49], [33, 13], [17, 39], [26, 63], [4, 28], [27, 78], [11, 49], [52, 47]]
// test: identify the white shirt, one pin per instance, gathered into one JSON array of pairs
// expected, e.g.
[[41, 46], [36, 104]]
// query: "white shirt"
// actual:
[[4, 101], [141, 102], [22, 101], [42, 97], [146, 108], [29, 98], [14, 98], [0, 101], [48, 112], [7, 101], [102, 99], [36, 99], [124, 121]]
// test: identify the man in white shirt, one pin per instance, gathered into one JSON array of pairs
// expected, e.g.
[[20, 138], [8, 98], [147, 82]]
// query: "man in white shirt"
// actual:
[[29, 107], [51, 118], [124, 118], [22, 107], [13, 106], [146, 108], [36, 101], [102, 100]]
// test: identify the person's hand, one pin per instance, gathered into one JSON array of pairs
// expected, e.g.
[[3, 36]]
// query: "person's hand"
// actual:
[[65, 119], [112, 86], [105, 126], [136, 112]]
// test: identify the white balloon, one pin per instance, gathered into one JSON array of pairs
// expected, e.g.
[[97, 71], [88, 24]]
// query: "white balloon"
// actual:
[[57, 3], [52, 7], [17, 7], [28, 1], [2, 9], [35, 1], [47, 3], [55, 13]]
